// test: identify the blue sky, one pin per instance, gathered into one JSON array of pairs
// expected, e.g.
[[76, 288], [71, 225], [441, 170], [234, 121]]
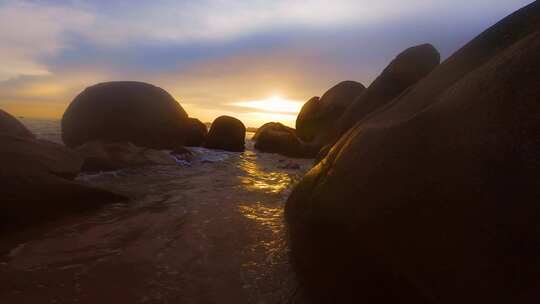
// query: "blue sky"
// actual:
[[214, 55]]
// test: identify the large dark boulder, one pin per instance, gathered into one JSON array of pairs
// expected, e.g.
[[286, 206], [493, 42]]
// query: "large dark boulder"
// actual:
[[405, 70], [134, 112], [9, 125], [196, 133], [226, 133], [274, 137], [36, 178], [434, 199], [318, 116]]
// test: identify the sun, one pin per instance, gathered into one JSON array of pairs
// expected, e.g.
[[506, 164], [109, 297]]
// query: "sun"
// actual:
[[273, 104]]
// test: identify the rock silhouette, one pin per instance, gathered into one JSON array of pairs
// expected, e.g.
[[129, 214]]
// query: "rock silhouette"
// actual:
[[9, 125], [306, 127], [226, 133], [275, 137], [318, 116], [36, 182], [435, 198], [125, 111], [196, 133], [404, 71]]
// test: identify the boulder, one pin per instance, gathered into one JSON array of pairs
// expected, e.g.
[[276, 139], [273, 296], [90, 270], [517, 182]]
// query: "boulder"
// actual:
[[99, 156], [226, 133], [196, 133], [32, 196], [43, 155], [9, 125], [318, 116], [405, 70], [274, 137], [306, 122], [134, 112], [435, 199], [36, 178]]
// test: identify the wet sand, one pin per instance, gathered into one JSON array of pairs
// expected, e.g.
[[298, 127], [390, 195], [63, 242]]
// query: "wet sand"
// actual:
[[207, 232]]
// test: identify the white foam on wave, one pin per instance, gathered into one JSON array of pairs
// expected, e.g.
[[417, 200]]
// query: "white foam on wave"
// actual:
[[212, 156]]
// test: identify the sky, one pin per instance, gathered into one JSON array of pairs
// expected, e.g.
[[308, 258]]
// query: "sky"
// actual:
[[257, 60]]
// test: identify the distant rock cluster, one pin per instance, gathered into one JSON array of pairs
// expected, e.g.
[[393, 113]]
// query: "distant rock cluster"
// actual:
[[109, 126], [144, 115]]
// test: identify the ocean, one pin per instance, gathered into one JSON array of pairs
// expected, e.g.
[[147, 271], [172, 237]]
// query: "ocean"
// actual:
[[205, 231]]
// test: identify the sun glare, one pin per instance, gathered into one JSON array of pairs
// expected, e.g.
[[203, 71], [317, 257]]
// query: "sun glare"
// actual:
[[274, 104]]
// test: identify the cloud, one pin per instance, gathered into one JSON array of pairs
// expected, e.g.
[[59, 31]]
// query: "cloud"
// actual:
[[117, 23], [29, 31], [212, 54]]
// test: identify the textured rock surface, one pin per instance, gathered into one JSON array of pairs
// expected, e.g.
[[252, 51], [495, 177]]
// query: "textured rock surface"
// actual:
[[435, 198]]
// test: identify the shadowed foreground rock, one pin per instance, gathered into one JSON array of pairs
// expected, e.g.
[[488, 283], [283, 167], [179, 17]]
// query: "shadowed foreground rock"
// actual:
[[434, 199], [226, 133], [318, 116], [274, 137], [125, 111], [34, 175]]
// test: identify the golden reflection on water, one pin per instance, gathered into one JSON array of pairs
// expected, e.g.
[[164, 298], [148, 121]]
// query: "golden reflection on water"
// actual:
[[262, 177], [264, 187], [265, 216], [258, 179]]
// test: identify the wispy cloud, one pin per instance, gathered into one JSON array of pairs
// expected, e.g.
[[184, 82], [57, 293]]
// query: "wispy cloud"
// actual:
[[29, 31], [213, 54]]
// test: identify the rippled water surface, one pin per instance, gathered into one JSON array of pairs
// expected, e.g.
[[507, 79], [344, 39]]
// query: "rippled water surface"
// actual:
[[208, 231]]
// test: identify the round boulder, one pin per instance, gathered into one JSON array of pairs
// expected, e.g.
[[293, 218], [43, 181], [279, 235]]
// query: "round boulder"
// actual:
[[317, 116], [305, 122], [196, 133], [409, 67], [275, 137], [226, 133], [135, 112], [11, 126]]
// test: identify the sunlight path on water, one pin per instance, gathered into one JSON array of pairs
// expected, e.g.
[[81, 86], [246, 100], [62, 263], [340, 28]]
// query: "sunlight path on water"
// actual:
[[208, 232], [267, 265]]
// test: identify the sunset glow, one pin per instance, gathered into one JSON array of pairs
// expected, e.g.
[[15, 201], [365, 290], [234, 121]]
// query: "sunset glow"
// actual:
[[255, 60], [274, 104]]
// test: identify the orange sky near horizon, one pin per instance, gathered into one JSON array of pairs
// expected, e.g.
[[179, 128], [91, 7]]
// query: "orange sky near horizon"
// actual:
[[258, 112]]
